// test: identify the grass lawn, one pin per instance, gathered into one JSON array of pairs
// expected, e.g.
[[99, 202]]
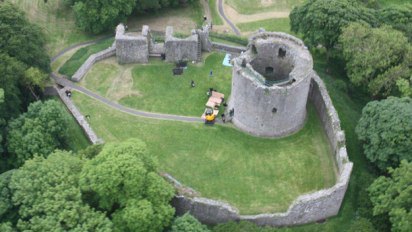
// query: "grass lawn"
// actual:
[[216, 19], [56, 20], [276, 24], [258, 6], [78, 58], [152, 87], [254, 174]]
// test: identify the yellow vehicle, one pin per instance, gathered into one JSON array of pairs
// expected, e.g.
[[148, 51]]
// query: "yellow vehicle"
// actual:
[[209, 116]]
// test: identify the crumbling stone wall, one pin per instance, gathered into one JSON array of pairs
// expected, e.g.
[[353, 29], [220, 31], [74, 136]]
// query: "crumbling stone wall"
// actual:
[[176, 49], [306, 208], [87, 65], [270, 85], [81, 120], [204, 38], [132, 47], [228, 48]]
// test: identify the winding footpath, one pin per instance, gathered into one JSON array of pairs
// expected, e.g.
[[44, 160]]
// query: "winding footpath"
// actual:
[[61, 80], [222, 13]]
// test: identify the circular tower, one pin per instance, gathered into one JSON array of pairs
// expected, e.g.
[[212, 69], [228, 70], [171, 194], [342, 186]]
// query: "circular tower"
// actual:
[[270, 85]]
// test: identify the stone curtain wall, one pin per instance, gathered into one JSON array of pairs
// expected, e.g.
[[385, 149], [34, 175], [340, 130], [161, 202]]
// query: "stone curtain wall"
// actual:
[[306, 208], [78, 116], [177, 49], [87, 65], [228, 48], [132, 47]]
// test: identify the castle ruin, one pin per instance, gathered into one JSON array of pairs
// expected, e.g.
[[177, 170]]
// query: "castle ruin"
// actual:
[[134, 47], [270, 85]]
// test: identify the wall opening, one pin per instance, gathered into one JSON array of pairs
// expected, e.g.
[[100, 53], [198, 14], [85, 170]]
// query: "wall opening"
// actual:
[[269, 71], [281, 53]]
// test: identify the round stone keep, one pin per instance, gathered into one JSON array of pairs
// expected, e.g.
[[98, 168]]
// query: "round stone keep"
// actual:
[[270, 85]]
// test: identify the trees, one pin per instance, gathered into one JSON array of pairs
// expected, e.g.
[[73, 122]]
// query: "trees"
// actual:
[[393, 195], [20, 39], [321, 21], [124, 180], [47, 192], [96, 16], [399, 17], [187, 223], [40, 130], [385, 129], [376, 57]]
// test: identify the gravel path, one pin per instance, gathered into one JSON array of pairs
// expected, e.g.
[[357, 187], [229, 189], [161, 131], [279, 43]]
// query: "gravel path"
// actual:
[[222, 13]]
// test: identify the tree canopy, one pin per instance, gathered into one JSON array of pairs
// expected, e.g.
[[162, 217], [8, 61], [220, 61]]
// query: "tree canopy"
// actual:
[[96, 16], [47, 192], [132, 190], [40, 130], [392, 195], [321, 21], [20, 39], [187, 223], [399, 17], [376, 58], [385, 128]]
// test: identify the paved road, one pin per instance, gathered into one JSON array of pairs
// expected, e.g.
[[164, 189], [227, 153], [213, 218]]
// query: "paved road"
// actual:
[[64, 82], [222, 13]]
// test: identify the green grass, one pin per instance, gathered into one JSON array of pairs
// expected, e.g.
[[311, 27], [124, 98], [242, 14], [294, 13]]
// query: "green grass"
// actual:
[[278, 24], [223, 41], [157, 90], [255, 6], [254, 174], [229, 39], [57, 22], [216, 19], [78, 58]]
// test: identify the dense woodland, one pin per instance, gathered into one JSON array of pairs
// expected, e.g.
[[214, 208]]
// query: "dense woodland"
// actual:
[[46, 187]]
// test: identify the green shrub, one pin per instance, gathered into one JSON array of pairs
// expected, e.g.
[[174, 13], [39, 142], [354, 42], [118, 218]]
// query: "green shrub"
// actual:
[[187, 223]]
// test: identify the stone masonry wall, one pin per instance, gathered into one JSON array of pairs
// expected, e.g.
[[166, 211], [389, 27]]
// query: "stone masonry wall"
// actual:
[[133, 47], [79, 117], [228, 48], [306, 208], [177, 49], [87, 65]]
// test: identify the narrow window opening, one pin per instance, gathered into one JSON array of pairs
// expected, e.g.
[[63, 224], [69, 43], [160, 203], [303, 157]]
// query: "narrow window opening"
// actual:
[[282, 52]]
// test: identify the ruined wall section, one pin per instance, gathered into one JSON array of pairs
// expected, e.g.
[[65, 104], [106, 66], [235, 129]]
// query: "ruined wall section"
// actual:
[[132, 47], [87, 65], [81, 120], [176, 49], [205, 41]]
